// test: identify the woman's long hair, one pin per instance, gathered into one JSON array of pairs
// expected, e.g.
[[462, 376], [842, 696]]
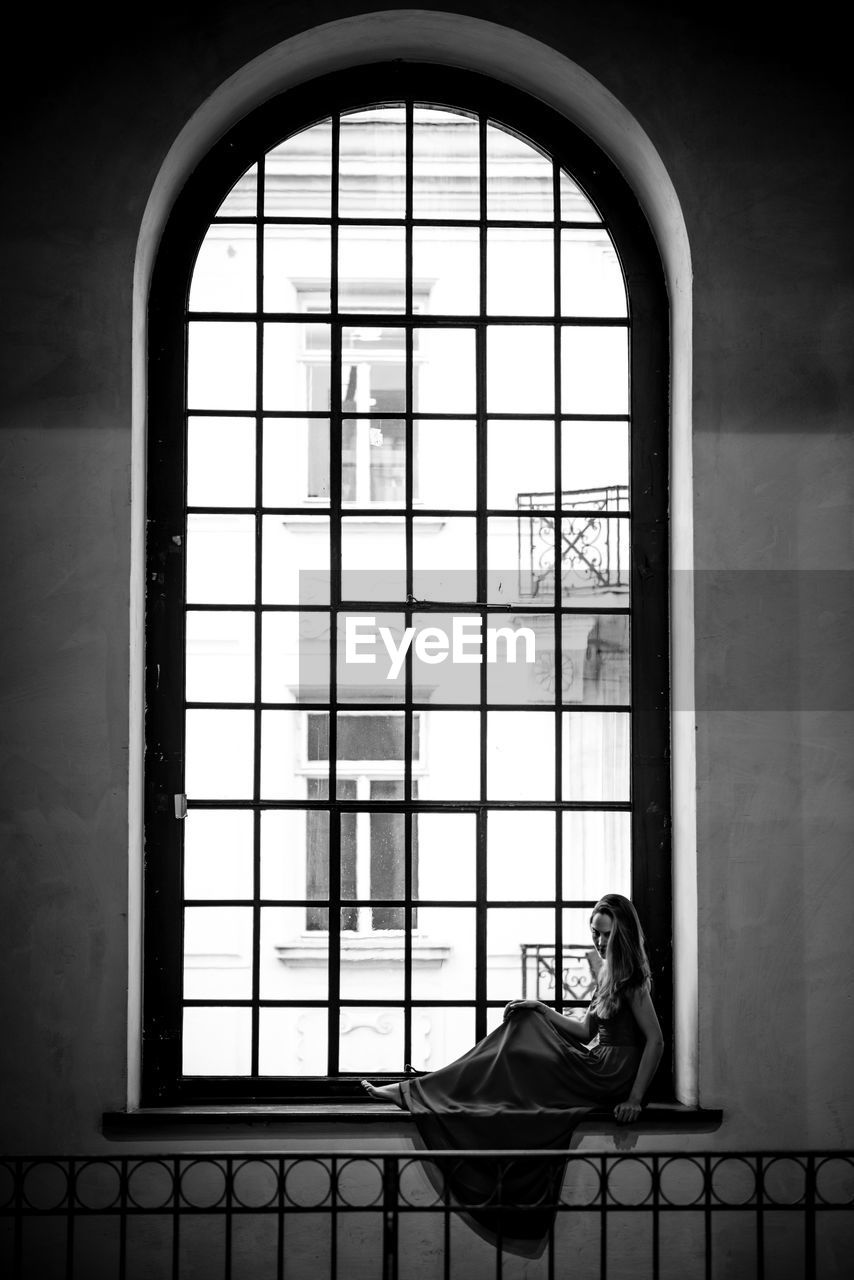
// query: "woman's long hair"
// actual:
[[626, 967]]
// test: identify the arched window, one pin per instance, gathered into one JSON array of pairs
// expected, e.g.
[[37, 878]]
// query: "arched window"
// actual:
[[407, 632]]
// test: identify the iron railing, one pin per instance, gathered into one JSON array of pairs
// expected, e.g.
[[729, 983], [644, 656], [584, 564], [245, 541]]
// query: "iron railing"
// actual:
[[593, 545], [389, 1216], [577, 978]]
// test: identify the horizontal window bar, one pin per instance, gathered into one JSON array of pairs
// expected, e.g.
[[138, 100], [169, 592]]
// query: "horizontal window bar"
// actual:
[[357, 705], [424, 806], [401, 320]]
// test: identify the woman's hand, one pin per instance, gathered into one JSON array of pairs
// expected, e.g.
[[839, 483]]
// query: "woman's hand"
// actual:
[[627, 1111], [513, 1005]]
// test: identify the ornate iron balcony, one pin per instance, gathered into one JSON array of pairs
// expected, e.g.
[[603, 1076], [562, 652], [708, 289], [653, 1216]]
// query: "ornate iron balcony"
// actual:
[[593, 552]]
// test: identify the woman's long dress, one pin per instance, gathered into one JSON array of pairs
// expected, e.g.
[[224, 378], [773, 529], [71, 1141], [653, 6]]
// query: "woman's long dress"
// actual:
[[525, 1085]]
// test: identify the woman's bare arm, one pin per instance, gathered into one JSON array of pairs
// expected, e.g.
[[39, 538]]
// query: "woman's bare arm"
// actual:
[[647, 1019], [579, 1028]]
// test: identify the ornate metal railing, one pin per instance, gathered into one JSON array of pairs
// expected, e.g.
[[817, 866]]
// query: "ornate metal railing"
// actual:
[[539, 977], [593, 548], [322, 1215]]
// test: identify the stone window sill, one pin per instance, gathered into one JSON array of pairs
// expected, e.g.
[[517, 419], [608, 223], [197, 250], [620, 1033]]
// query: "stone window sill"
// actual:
[[273, 1119]]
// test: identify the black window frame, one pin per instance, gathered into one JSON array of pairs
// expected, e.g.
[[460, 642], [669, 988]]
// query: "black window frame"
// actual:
[[162, 1081]]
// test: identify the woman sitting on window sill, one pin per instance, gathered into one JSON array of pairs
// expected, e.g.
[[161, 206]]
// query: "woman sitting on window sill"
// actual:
[[530, 1081]]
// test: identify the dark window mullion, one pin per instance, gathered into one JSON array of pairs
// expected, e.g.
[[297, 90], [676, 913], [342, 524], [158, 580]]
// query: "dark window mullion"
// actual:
[[258, 637], [409, 493], [558, 597], [481, 446], [335, 429]]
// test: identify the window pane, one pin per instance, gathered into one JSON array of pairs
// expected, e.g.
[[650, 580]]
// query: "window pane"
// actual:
[[360, 737], [283, 756], [221, 462], [513, 938], [440, 1035], [296, 462], [219, 754], [295, 657], [218, 853], [444, 558], [224, 275], [519, 179], [520, 755], [520, 369], [596, 853], [387, 857], [373, 163], [446, 380], [443, 954], [373, 260], [221, 365], [295, 567], [217, 953], [452, 756], [520, 460], [371, 657], [596, 755], [284, 845], [318, 853], [220, 559], [217, 1042], [371, 1039], [297, 175], [520, 272], [293, 964], [448, 259], [220, 661], [595, 455], [373, 559], [372, 965], [446, 170], [242, 199], [596, 668], [520, 661], [446, 459], [509, 577], [446, 680], [574, 205], [294, 377], [594, 370], [373, 461], [293, 255], [514, 839], [595, 564], [446, 855], [591, 280], [292, 1042]]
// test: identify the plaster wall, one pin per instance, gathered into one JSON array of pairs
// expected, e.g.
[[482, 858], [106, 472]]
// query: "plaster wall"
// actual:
[[753, 141]]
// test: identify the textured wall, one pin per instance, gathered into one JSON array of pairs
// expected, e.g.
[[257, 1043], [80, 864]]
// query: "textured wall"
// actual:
[[755, 139]]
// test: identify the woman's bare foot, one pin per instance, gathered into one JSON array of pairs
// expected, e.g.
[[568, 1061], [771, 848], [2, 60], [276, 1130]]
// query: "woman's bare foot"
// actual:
[[384, 1093]]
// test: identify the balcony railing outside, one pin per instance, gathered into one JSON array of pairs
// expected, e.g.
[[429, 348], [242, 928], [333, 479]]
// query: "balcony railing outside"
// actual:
[[327, 1216], [591, 557], [578, 980]]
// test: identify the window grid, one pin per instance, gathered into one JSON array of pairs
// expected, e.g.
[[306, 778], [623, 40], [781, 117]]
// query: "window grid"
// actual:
[[482, 805], [408, 322]]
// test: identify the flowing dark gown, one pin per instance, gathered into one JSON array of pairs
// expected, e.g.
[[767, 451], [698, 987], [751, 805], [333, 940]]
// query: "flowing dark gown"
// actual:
[[525, 1085]]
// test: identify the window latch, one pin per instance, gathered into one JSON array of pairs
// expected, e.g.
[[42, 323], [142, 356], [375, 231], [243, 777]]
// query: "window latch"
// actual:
[[180, 806]]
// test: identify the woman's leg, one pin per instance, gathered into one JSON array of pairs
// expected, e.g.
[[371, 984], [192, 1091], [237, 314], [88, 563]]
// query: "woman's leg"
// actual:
[[384, 1093]]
